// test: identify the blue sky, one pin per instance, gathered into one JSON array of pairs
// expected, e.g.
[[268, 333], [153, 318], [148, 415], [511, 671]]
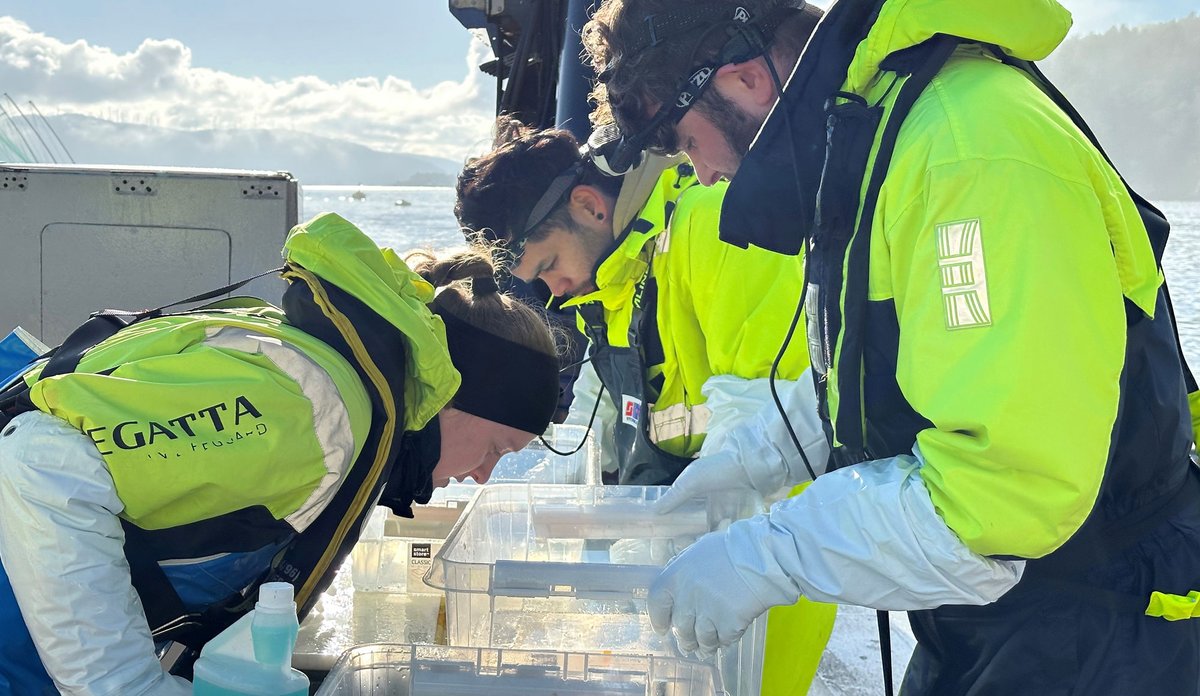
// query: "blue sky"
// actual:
[[416, 39], [396, 75]]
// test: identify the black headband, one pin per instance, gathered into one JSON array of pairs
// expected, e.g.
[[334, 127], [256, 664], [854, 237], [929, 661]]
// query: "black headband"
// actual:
[[502, 381]]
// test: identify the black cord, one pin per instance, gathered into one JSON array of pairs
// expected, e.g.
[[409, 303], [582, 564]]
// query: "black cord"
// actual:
[[803, 289], [575, 364], [771, 382], [591, 420]]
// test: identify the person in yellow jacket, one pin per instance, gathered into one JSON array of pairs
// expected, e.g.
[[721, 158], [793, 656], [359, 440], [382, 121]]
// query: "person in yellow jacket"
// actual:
[[683, 330], [1005, 397], [209, 441]]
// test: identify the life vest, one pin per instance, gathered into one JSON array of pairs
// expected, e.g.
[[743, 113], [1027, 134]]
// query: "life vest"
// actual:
[[352, 308], [619, 321], [854, 337]]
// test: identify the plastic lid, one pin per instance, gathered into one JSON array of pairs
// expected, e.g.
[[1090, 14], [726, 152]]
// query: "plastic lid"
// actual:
[[276, 596]]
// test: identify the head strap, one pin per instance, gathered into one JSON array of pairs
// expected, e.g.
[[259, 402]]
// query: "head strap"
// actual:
[[546, 204], [748, 36]]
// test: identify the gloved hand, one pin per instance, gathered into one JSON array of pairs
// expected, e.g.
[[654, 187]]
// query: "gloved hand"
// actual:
[[748, 444], [721, 472], [709, 596]]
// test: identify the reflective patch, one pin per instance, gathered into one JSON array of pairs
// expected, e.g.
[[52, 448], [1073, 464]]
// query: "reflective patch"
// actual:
[[678, 420], [662, 243], [812, 325], [631, 409], [963, 275]]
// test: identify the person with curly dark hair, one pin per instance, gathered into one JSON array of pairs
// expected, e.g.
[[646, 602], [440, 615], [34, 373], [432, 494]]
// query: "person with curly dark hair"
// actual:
[[1002, 389], [684, 331]]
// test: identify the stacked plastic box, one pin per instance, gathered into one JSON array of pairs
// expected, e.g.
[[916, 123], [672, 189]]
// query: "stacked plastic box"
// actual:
[[427, 670], [568, 568], [379, 595], [393, 554]]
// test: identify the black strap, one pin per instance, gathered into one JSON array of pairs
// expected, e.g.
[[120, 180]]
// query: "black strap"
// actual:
[[884, 620], [923, 62], [103, 324], [158, 596], [1155, 222], [928, 57]]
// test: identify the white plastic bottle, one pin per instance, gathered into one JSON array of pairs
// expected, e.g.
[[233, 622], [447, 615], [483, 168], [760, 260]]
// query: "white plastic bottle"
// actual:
[[253, 657]]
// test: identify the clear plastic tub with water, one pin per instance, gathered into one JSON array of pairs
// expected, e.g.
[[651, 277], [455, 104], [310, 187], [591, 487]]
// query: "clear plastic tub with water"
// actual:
[[569, 568], [426, 670], [393, 554]]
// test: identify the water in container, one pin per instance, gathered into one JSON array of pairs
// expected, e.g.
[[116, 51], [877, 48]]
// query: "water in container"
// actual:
[[253, 657]]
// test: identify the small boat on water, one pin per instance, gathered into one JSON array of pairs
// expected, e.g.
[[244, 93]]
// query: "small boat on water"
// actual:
[[358, 195], [400, 202]]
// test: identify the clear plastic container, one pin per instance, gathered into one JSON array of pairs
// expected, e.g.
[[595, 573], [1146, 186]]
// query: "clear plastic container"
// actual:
[[426, 670], [568, 568], [344, 617], [537, 464], [393, 554]]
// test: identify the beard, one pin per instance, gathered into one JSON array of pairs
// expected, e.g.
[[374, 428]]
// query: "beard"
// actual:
[[734, 122]]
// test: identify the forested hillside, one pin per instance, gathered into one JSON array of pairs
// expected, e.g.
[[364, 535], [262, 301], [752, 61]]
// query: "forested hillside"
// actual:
[[1139, 89]]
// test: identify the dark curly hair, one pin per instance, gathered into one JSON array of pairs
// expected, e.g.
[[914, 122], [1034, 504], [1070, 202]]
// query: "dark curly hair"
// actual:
[[636, 79], [497, 191]]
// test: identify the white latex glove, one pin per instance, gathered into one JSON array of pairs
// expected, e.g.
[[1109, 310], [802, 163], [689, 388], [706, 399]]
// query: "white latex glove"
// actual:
[[62, 547], [867, 534], [748, 444], [708, 599]]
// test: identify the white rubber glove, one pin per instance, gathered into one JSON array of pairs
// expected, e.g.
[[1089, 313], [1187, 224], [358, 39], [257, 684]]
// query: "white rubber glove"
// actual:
[[707, 600], [747, 444], [61, 545], [867, 535]]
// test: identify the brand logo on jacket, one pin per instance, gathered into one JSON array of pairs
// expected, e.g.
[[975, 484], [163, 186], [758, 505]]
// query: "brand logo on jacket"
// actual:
[[963, 274], [228, 421], [631, 409]]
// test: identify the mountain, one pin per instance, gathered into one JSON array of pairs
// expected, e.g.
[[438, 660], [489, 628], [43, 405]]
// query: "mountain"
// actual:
[[312, 159], [1136, 87]]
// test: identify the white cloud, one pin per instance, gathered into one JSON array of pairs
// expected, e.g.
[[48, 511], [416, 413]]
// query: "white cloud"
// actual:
[[158, 84]]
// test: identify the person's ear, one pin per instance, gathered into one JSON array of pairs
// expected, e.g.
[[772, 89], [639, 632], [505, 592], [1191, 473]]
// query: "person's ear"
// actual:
[[588, 204], [748, 84]]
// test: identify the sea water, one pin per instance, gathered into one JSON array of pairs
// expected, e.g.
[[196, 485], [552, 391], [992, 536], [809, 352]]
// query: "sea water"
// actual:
[[428, 223]]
